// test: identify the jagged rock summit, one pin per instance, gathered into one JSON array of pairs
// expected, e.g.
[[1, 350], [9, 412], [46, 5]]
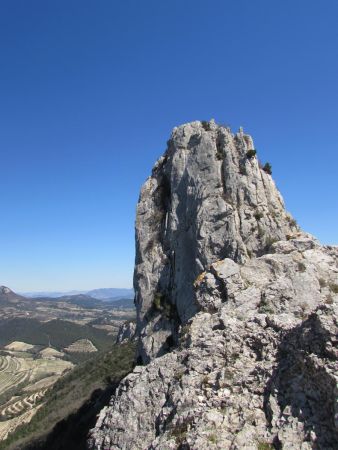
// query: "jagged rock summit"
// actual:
[[237, 310], [206, 200]]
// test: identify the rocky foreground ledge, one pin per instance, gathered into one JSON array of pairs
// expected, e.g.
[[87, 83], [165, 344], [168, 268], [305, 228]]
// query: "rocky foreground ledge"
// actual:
[[241, 342]]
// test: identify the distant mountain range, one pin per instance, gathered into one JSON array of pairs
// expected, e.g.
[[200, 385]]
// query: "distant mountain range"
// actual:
[[100, 294], [120, 298], [111, 293]]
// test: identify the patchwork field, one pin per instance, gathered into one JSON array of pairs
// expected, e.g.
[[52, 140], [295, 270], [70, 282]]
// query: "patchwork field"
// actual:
[[42, 341], [81, 346], [24, 379], [18, 346], [16, 408], [10, 425], [68, 408]]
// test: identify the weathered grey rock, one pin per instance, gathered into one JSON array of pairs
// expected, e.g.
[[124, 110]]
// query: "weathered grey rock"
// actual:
[[257, 365], [126, 332], [256, 325], [205, 201]]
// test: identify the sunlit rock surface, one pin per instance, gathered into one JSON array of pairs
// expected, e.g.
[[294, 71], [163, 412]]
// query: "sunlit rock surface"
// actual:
[[237, 310]]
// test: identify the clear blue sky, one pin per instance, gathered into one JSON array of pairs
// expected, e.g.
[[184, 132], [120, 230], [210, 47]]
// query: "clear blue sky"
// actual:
[[90, 90]]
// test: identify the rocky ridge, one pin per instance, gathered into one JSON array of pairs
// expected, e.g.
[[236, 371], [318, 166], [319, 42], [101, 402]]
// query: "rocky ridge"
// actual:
[[237, 310], [205, 200]]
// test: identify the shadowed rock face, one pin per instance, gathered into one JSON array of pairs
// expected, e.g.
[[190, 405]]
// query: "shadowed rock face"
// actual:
[[205, 200], [246, 301]]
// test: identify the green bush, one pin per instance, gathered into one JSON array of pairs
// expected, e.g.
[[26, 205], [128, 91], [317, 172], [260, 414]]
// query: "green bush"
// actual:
[[301, 267], [157, 302], [292, 222], [264, 446], [322, 283], [206, 125], [258, 215], [212, 438], [265, 307], [269, 240], [163, 306], [178, 375], [334, 288], [251, 153], [267, 168]]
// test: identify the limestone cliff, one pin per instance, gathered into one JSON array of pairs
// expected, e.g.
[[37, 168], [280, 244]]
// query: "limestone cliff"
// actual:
[[237, 310], [206, 200]]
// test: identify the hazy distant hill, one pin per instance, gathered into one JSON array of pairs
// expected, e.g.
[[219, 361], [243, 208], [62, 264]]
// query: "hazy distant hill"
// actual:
[[111, 293], [8, 296], [50, 294], [120, 303], [101, 293], [81, 310], [88, 301]]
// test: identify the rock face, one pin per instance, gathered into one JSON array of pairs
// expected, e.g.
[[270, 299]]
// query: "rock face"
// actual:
[[126, 332], [206, 200], [237, 311]]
